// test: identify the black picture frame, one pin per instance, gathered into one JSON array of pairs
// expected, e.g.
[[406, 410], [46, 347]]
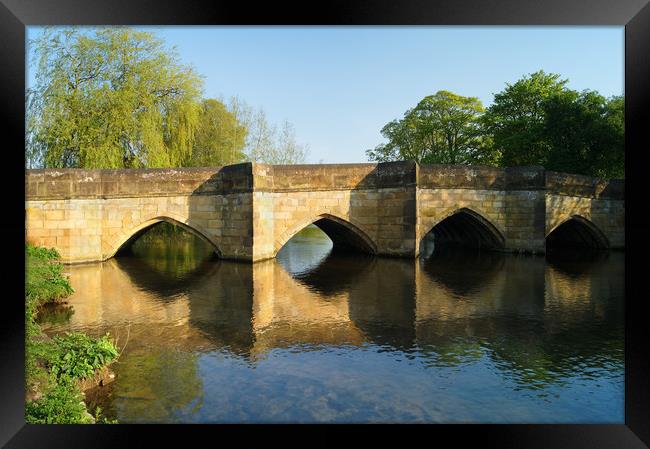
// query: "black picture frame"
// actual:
[[15, 15]]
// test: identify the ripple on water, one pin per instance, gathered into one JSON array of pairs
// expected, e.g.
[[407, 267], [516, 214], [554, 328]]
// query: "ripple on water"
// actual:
[[317, 337]]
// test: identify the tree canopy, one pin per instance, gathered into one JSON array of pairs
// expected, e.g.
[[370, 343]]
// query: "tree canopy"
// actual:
[[111, 98], [537, 120], [220, 136], [515, 120], [115, 97], [586, 134], [540, 121], [442, 129]]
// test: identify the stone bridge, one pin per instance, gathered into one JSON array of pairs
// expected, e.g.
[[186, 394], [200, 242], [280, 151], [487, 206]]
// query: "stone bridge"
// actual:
[[249, 211]]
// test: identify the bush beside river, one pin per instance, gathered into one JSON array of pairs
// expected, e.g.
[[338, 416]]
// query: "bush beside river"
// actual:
[[58, 369]]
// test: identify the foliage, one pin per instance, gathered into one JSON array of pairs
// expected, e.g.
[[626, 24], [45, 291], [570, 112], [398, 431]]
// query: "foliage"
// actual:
[[268, 143], [41, 252], [442, 129], [111, 98], [515, 120], [44, 281], [62, 404], [535, 121], [53, 366], [56, 365], [114, 97], [539, 121], [76, 355], [220, 137], [585, 132]]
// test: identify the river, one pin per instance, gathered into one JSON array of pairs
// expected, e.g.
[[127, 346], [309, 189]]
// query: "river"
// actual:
[[314, 336]]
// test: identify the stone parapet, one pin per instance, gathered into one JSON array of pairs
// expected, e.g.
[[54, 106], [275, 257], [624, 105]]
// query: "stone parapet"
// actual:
[[584, 186], [461, 177], [290, 178], [42, 184], [71, 183], [249, 211]]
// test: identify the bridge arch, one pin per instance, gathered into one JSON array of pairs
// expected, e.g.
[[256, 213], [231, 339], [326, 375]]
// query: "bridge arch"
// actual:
[[129, 235], [464, 227], [576, 231], [344, 235]]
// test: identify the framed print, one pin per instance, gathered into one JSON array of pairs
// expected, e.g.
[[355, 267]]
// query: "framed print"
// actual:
[[369, 213]]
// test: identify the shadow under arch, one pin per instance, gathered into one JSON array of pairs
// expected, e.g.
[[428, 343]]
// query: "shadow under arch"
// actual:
[[336, 273], [345, 236], [576, 232], [126, 239], [165, 285], [218, 296], [463, 272], [463, 228]]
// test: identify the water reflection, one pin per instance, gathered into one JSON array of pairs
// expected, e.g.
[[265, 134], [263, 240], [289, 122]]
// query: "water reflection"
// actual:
[[316, 336], [449, 268]]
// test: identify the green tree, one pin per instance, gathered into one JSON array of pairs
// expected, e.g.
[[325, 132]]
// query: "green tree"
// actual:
[[585, 132], [539, 121], [220, 137], [110, 98], [516, 119], [443, 128]]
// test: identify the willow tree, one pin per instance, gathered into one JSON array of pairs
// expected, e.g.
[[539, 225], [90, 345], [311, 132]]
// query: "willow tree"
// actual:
[[110, 98], [220, 136]]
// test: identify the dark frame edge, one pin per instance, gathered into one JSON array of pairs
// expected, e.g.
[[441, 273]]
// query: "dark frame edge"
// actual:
[[12, 333], [632, 434], [637, 334]]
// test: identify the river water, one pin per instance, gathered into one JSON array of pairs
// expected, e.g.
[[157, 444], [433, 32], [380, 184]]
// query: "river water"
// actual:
[[312, 336]]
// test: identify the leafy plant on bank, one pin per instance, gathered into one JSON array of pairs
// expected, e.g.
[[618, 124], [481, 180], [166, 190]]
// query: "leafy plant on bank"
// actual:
[[62, 404], [54, 366], [76, 355], [44, 279]]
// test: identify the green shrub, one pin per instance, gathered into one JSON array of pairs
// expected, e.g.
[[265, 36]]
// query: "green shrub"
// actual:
[[41, 252], [53, 366], [44, 279], [78, 356], [62, 404]]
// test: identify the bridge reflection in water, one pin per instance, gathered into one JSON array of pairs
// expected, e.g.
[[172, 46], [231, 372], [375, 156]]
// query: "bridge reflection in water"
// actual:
[[319, 336]]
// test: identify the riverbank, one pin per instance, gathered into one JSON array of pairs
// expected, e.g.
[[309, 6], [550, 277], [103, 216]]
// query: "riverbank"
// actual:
[[59, 371]]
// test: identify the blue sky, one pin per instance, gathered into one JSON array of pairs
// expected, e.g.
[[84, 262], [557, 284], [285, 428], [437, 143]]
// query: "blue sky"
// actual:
[[340, 85]]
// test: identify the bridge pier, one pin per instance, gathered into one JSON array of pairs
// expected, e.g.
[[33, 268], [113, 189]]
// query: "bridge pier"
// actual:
[[249, 211]]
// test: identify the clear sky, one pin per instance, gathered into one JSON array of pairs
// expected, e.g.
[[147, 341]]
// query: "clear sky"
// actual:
[[340, 85]]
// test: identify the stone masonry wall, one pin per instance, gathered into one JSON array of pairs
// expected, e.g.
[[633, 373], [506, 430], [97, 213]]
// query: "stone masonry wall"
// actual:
[[376, 203], [249, 211], [88, 214], [434, 205], [599, 201]]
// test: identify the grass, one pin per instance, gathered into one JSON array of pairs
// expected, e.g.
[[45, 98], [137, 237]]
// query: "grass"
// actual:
[[54, 367]]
